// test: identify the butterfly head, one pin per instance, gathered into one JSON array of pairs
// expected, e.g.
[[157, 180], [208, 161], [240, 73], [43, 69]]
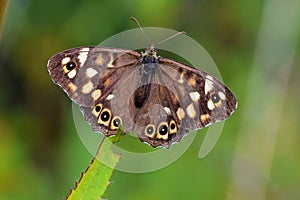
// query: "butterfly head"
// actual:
[[150, 55]]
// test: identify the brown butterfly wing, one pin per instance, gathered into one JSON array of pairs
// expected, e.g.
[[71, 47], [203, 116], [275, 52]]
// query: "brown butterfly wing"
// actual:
[[181, 99], [79, 71], [214, 101], [90, 82]]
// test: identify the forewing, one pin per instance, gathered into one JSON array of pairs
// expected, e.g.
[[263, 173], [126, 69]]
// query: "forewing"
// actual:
[[81, 71]]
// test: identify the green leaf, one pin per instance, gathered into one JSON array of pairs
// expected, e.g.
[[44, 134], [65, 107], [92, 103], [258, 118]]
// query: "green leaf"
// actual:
[[95, 180]]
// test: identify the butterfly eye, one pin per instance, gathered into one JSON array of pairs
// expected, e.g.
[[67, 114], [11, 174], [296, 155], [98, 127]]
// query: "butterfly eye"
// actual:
[[149, 130], [215, 98], [104, 117], [97, 109], [163, 129], [172, 127], [70, 66], [115, 123]]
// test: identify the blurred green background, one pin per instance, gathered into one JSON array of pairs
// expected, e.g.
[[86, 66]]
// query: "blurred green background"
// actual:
[[255, 44]]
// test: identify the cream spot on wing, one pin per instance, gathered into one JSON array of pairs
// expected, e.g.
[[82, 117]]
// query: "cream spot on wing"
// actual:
[[109, 97], [65, 69], [209, 77], [164, 137], [85, 49], [72, 73], [208, 86], [210, 105], [205, 118], [195, 96], [83, 56], [218, 104], [111, 61], [72, 87], [181, 77], [180, 113], [95, 113], [87, 88], [222, 95], [190, 110], [90, 72], [192, 81], [65, 60], [168, 111], [110, 65], [100, 61], [96, 94]]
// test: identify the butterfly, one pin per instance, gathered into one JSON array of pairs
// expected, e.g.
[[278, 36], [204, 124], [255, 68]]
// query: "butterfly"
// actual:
[[159, 99]]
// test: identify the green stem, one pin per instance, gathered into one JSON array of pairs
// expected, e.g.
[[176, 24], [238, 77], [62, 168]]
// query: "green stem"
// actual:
[[96, 178]]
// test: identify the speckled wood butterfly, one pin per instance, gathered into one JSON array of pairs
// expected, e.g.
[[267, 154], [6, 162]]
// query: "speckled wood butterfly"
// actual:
[[158, 99]]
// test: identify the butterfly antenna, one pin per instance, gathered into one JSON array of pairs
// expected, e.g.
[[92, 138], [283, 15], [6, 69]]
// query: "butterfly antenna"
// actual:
[[172, 36], [138, 24]]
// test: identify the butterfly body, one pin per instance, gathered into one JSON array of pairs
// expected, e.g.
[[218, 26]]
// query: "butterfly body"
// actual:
[[159, 99]]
